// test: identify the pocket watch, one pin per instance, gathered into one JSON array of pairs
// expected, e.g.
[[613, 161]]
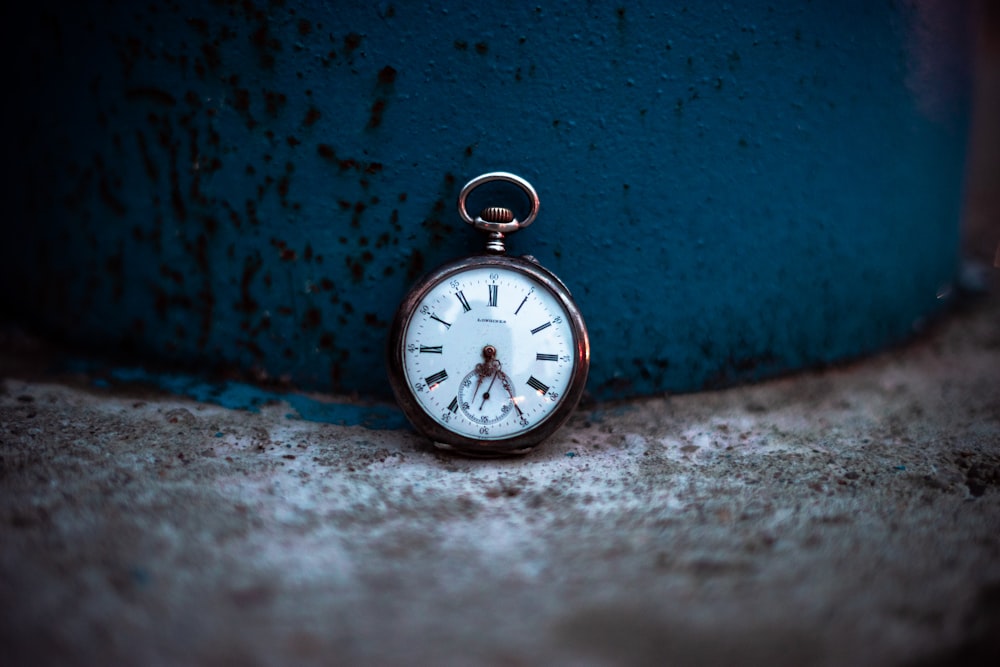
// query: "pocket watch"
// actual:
[[488, 354]]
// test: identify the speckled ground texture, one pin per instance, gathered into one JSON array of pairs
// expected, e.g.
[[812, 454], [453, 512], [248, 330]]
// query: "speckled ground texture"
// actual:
[[845, 516]]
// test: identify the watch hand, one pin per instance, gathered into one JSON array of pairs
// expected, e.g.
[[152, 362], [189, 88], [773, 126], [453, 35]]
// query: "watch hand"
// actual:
[[480, 382], [489, 354], [486, 394], [505, 381]]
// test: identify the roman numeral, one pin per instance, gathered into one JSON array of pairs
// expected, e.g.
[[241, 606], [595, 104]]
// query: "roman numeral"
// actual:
[[436, 379], [463, 301], [430, 349], [523, 301], [539, 328], [541, 357], [493, 296], [453, 406], [537, 385], [435, 317]]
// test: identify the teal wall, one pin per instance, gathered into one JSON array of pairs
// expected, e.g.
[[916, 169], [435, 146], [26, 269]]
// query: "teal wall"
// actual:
[[730, 190]]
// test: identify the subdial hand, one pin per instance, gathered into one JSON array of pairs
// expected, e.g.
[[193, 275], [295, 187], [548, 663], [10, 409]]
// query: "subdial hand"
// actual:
[[486, 394]]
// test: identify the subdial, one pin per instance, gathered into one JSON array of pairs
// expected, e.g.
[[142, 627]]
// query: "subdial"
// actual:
[[482, 397], [489, 406]]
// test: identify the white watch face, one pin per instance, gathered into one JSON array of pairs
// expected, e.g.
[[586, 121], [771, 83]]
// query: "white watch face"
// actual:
[[488, 353]]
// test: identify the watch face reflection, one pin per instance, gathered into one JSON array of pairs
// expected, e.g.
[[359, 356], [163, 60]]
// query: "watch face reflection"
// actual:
[[488, 352]]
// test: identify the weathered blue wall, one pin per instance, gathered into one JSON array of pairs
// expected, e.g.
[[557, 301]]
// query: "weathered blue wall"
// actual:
[[729, 190]]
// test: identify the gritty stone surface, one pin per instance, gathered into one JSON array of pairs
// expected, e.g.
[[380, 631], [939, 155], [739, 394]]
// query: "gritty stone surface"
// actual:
[[849, 516]]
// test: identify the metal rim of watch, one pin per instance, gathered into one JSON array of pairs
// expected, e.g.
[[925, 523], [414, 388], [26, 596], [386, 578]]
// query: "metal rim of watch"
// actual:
[[444, 438], [502, 227]]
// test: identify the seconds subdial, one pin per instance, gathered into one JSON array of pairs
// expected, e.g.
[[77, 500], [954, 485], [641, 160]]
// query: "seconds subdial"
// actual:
[[482, 395]]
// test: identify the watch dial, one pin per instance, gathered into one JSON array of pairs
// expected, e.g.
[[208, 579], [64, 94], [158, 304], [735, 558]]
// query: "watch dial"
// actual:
[[488, 352]]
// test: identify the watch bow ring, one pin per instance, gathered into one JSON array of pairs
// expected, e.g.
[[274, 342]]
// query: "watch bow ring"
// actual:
[[485, 223]]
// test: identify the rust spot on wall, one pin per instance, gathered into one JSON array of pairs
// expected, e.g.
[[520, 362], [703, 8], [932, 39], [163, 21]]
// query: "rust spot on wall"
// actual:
[[211, 223], [415, 265], [351, 42], [312, 115], [213, 57], [241, 99], [359, 209], [274, 102], [383, 89], [266, 44], [312, 318], [377, 110], [387, 75]]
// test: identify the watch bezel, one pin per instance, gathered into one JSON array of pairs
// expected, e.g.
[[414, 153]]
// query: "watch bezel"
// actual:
[[426, 424]]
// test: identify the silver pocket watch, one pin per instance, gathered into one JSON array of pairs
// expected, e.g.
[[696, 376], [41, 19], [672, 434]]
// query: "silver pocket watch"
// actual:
[[488, 354]]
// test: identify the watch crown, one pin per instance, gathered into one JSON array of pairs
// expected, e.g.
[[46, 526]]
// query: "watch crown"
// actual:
[[497, 214]]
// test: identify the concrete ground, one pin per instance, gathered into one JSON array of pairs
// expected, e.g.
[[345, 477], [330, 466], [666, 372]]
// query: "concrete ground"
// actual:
[[846, 516]]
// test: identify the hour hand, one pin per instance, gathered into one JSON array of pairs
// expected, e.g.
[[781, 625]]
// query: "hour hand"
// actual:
[[479, 382], [509, 386]]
